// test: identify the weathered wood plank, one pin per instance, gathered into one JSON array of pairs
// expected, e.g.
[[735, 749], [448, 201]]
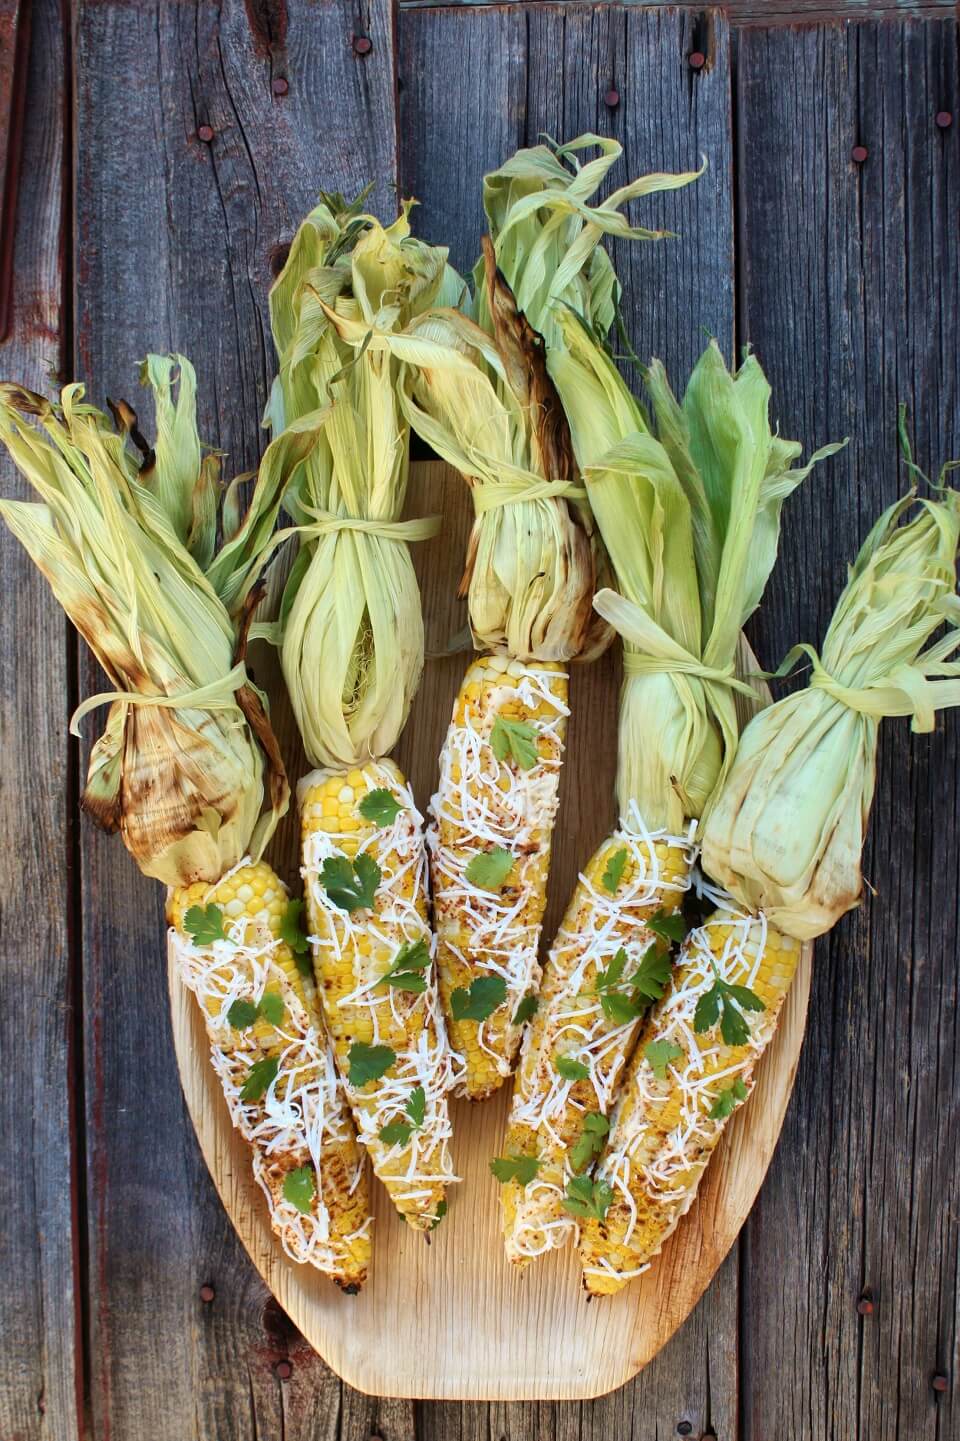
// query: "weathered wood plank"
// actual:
[[756, 12], [40, 1373], [194, 165], [460, 114], [849, 291]]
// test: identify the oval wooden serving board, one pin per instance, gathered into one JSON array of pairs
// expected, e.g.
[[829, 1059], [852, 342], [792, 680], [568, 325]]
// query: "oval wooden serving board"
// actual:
[[452, 1319]]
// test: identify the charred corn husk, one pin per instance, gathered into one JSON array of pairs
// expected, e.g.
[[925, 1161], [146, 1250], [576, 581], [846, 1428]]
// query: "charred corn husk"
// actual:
[[682, 1087], [579, 1018], [370, 1000], [186, 769], [275, 1064], [494, 801]]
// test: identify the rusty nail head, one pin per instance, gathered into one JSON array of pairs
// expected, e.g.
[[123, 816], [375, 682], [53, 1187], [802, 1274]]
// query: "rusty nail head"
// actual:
[[859, 153], [207, 1292], [284, 1370], [865, 1304], [205, 133], [612, 99], [362, 44], [684, 1428], [697, 60], [938, 1381], [280, 85], [944, 119]]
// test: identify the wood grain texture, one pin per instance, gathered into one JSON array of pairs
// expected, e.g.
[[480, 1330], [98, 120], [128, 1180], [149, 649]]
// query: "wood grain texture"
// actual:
[[176, 240], [484, 1330], [40, 1353], [754, 12], [851, 299]]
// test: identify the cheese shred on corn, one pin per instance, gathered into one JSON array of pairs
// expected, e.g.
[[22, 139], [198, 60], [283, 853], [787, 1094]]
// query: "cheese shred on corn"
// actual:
[[353, 952], [665, 1126], [299, 1126]]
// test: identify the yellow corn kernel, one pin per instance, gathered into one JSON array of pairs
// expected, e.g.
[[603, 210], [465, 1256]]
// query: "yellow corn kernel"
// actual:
[[487, 802], [334, 1232], [353, 951], [631, 879], [670, 1117]]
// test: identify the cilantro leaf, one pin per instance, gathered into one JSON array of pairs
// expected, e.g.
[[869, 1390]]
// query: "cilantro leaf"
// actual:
[[612, 975], [299, 1188], [521, 1169], [438, 1215], [205, 924], [398, 1133], [619, 1008], [380, 806], [516, 739], [652, 974], [616, 1005], [570, 1069], [271, 1007], [368, 1063], [588, 1198], [412, 958], [260, 1078], [589, 1144], [726, 1002], [395, 1133], [613, 872], [351, 885], [658, 1056], [478, 1002], [489, 869], [726, 1102], [668, 927], [707, 1013], [242, 1014], [416, 1106], [527, 1009], [290, 929]]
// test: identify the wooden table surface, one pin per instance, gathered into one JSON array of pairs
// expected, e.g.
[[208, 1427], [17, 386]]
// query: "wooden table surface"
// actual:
[[165, 155]]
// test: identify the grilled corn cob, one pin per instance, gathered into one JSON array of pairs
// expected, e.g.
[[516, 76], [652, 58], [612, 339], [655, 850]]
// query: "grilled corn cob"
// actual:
[[276, 1068], [684, 1081], [500, 802], [632, 878], [369, 999]]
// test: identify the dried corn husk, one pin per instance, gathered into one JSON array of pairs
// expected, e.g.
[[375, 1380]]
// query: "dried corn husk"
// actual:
[[691, 522], [180, 768], [481, 395], [351, 629], [787, 832]]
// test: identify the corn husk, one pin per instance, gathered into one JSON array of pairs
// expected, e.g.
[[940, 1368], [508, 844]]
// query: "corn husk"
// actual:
[[351, 628], [480, 393], [690, 516], [787, 832], [182, 780]]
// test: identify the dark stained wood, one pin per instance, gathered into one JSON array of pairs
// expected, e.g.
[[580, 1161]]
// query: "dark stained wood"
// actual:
[[850, 289], [474, 85], [757, 12], [40, 1350], [174, 242]]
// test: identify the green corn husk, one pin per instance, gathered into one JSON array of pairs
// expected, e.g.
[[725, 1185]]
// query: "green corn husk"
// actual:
[[788, 829], [182, 782], [690, 517], [480, 393], [351, 628]]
